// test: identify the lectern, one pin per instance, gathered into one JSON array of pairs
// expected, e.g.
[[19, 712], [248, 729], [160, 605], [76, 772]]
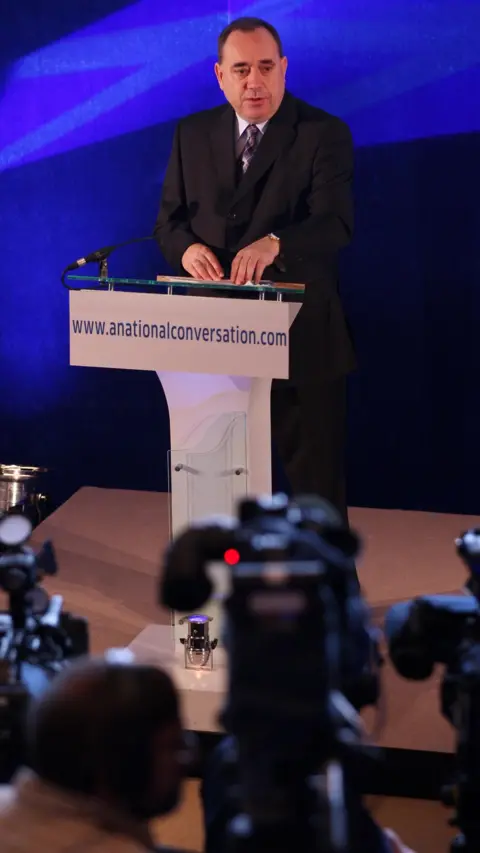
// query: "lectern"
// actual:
[[215, 358]]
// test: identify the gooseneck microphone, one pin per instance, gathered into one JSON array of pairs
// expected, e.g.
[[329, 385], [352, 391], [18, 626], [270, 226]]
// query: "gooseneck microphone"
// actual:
[[100, 257]]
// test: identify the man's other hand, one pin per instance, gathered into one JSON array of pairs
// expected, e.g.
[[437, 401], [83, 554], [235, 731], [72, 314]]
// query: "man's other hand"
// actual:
[[201, 263], [396, 845], [250, 263]]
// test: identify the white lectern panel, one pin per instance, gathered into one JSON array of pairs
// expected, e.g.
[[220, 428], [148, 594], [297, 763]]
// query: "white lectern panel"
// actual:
[[215, 359]]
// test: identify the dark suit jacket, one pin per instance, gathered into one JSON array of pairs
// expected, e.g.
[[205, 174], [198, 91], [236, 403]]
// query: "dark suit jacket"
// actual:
[[298, 186]]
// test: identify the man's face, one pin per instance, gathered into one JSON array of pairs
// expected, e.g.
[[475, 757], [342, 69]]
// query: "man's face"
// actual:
[[252, 75]]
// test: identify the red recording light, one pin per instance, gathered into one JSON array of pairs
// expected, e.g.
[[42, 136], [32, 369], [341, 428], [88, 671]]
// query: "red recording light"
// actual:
[[231, 557]]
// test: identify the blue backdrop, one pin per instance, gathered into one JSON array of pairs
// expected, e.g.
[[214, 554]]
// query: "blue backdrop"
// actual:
[[89, 95]]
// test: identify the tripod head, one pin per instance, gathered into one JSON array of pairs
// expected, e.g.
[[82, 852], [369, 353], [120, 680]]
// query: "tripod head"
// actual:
[[21, 568], [29, 629]]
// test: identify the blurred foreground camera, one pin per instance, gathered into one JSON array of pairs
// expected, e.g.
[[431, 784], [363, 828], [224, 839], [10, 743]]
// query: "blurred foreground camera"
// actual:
[[36, 637], [303, 659], [445, 629]]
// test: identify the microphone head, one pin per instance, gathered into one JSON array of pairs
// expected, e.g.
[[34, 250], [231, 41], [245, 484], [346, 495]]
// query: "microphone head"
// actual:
[[184, 594], [184, 583], [99, 255]]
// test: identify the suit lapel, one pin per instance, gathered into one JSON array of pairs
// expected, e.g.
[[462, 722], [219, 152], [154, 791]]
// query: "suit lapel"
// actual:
[[222, 141], [279, 135]]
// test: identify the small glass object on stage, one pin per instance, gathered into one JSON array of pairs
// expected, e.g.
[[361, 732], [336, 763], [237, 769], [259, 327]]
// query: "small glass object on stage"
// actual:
[[198, 646]]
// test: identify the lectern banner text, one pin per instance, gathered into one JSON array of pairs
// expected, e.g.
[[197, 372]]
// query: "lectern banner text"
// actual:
[[143, 331]]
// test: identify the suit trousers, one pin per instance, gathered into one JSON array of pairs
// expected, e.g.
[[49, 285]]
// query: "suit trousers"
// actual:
[[309, 431]]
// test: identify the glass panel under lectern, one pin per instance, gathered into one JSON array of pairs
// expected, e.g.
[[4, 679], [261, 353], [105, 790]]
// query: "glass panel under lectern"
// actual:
[[214, 475]]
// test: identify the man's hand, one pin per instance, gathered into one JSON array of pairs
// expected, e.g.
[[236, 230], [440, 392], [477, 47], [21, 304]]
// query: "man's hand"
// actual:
[[249, 264], [201, 263]]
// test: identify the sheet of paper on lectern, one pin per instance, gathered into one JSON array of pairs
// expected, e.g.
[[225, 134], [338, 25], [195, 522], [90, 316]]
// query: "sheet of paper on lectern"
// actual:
[[175, 279]]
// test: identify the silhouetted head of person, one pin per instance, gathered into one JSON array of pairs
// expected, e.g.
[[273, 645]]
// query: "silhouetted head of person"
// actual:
[[111, 731]]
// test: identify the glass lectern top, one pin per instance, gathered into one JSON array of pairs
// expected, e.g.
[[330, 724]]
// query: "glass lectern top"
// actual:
[[181, 284]]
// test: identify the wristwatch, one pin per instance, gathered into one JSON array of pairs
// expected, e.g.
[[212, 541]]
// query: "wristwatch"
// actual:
[[278, 262]]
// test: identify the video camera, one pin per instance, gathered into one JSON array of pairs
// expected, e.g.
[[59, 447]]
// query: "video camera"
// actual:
[[445, 629], [303, 660], [36, 637]]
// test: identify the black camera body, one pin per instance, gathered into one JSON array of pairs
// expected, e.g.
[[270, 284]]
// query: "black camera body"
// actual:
[[37, 638], [445, 630], [303, 659]]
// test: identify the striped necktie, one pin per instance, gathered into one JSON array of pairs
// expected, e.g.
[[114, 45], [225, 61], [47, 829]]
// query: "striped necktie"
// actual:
[[253, 139]]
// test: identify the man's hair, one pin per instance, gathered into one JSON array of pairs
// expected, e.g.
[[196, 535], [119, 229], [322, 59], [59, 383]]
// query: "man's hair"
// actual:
[[248, 25], [96, 725]]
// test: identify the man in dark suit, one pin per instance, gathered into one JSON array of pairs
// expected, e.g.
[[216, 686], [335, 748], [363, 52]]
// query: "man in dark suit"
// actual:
[[260, 188]]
